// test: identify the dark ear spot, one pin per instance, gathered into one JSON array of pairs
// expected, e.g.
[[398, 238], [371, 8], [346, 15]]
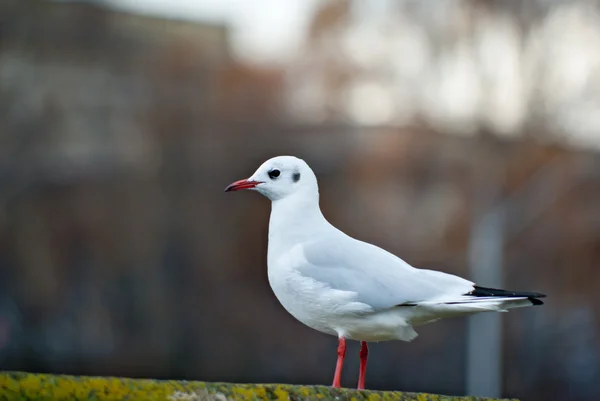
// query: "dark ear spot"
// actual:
[[296, 176]]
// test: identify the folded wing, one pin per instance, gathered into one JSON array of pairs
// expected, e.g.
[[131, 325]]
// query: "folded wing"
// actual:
[[377, 277]]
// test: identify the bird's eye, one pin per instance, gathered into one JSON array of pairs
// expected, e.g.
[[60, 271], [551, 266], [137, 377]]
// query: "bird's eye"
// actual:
[[274, 173]]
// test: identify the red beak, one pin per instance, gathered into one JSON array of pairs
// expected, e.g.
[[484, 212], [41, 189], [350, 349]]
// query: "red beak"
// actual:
[[241, 184]]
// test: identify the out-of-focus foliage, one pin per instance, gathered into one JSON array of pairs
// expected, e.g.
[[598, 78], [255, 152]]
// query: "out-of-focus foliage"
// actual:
[[506, 66], [121, 255]]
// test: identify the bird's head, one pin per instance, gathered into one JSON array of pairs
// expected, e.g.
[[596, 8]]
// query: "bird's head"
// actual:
[[280, 177]]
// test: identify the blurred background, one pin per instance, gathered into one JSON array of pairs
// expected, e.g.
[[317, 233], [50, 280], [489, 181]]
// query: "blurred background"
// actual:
[[463, 136]]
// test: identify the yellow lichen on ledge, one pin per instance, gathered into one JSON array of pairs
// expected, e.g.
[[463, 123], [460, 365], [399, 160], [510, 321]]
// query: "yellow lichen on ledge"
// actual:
[[29, 386]]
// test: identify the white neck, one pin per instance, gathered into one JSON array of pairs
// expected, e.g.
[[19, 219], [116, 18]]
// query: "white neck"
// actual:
[[295, 219]]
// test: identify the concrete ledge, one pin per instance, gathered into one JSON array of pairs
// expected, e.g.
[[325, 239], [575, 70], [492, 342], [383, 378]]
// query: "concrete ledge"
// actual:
[[29, 386]]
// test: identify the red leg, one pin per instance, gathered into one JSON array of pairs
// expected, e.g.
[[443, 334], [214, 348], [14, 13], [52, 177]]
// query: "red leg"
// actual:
[[364, 352], [341, 351]]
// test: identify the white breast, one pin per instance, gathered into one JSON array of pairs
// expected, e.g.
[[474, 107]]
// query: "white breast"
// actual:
[[312, 303]]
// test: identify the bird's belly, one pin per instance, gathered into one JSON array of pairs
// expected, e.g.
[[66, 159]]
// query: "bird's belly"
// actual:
[[379, 326], [336, 312]]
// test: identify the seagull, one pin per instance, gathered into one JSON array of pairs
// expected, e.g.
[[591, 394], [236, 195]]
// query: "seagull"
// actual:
[[348, 288]]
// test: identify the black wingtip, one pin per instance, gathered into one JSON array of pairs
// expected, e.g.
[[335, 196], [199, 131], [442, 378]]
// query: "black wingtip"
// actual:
[[536, 301], [494, 292]]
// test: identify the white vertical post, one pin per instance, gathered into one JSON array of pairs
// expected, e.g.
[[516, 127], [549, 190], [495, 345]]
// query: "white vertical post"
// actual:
[[484, 337], [488, 235]]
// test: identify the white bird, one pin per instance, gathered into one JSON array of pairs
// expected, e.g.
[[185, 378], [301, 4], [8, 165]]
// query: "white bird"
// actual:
[[351, 289]]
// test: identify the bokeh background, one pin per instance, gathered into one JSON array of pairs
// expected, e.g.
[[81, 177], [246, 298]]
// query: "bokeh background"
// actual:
[[462, 135]]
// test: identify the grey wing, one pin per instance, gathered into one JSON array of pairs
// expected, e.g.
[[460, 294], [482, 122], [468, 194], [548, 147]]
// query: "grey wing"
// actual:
[[377, 277]]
